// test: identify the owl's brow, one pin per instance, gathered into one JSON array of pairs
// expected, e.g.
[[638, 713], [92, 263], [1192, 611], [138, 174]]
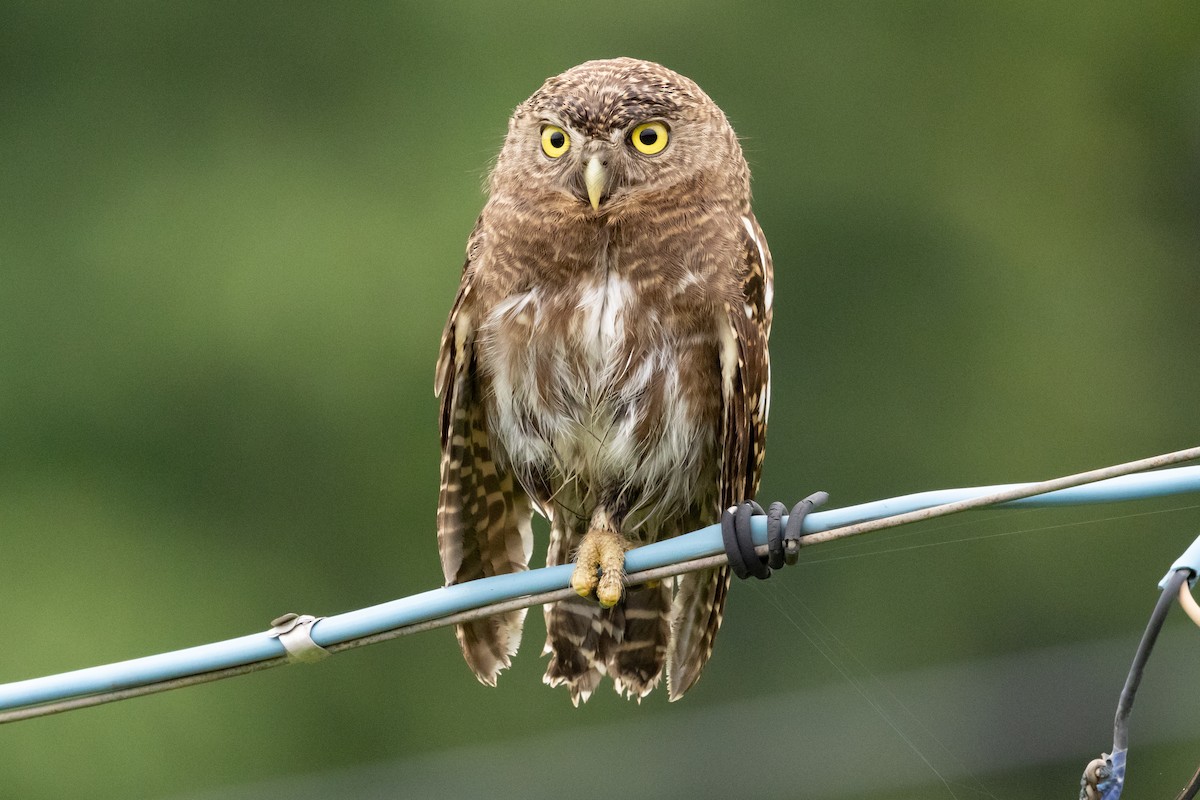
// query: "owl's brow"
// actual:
[[597, 115]]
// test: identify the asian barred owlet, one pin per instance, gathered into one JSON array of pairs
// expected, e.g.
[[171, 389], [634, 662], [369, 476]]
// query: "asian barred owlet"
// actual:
[[605, 363]]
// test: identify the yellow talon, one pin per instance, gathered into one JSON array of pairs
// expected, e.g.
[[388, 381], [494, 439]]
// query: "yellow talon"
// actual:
[[583, 581], [609, 591], [600, 567]]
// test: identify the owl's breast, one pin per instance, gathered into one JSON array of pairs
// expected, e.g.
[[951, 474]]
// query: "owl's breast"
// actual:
[[599, 382]]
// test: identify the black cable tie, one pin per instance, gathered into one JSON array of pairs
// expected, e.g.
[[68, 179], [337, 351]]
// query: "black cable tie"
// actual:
[[775, 513], [732, 551], [751, 561], [795, 524], [783, 542], [739, 545]]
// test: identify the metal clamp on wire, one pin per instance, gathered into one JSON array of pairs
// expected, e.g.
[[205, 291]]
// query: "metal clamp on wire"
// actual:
[[294, 632], [783, 540]]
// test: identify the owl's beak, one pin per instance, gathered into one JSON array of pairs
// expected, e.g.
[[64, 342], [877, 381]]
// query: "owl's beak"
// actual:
[[595, 176]]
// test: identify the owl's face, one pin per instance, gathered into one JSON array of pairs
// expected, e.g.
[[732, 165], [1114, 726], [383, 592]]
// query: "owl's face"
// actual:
[[610, 136]]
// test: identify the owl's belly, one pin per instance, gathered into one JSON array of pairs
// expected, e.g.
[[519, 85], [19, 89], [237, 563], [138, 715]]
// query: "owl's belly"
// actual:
[[592, 389]]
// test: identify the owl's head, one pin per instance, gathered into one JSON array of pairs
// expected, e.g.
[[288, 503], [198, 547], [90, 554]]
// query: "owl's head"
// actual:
[[617, 135]]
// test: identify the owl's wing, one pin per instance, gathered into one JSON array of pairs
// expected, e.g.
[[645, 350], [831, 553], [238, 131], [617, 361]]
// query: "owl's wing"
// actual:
[[483, 513], [745, 402], [746, 392]]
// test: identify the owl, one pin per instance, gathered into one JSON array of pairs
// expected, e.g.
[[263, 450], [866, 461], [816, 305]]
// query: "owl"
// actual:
[[605, 364]]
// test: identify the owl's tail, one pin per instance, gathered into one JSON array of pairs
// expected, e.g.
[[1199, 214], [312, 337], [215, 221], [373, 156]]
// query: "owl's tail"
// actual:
[[627, 642]]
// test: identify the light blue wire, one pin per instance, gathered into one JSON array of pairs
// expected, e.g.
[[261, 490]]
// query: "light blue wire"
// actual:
[[438, 603]]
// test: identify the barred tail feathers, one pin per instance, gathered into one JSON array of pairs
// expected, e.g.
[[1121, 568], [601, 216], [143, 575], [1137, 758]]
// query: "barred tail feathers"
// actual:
[[585, 642], [627, 642]]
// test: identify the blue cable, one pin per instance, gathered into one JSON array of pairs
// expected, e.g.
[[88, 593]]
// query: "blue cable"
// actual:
[[438, 603]]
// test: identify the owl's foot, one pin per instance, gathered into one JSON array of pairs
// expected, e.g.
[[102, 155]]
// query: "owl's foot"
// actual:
[[600, 566]]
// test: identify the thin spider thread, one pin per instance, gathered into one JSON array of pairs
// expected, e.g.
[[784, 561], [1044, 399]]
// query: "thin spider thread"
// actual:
[[827, 653]]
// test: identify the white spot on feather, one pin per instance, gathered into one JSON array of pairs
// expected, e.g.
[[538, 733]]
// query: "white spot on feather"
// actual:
[[768, 283], [729, 357], [766, 395], [516, 305], [690, 278]]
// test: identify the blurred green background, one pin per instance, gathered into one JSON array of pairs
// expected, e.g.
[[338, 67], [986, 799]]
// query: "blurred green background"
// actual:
[[229, 237]]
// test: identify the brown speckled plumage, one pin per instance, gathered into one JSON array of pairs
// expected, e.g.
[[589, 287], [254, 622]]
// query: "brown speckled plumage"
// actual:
[[607, 365]]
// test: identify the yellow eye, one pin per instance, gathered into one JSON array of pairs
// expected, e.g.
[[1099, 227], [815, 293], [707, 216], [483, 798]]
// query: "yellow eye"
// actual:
[[555, 141], [649, 138]]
